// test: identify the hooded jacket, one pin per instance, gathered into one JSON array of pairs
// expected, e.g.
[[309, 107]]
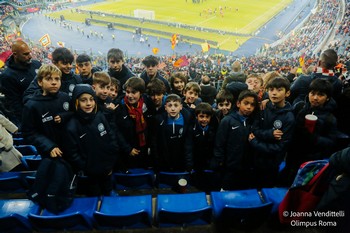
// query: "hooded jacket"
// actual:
[[14, 81], [89, 143]]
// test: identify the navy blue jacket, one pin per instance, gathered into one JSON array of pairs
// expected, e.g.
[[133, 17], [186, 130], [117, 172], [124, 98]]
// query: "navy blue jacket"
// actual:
[[203, 144], [232, 154], [172, 144], [300, 88], [68, 82], [14, 81], [38, 126], [318, 145], [122, 76], [90, 144], [269, 152]]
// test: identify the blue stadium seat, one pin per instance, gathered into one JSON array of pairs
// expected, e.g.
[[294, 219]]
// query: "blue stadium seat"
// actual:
[[78, 217], [14, 215], [170, 179], [14, 182], [182, 210], [124, 212], [274, 195], [27, 149], [241, 208], [135, 179]]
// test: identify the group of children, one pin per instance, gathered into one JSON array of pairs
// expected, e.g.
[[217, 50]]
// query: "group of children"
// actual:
[[103, 124]]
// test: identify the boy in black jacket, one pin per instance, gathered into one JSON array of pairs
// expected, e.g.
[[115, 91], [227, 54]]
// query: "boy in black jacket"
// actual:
[[232, 150], [63, 59], [43, 113], [173, 137], [90, 145], [272, 133], [204, 132]]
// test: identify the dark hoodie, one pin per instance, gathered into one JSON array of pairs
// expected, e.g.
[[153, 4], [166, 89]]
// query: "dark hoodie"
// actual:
[[14, 81], [307, 146], [89, 143], [38, 126], [122, 76]]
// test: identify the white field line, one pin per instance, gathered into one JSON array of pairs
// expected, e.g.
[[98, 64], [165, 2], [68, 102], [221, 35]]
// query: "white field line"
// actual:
[[245, 28]]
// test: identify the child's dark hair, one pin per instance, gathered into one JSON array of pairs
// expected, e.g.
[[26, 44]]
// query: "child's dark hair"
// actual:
[[173, 98], [83, 58], [279, 82], [62, 54], [204, 108], [155, 87], [248, 93], [224, 95], [115, 54], [178, 75], [138, 84], [150, 61], [321, 86]]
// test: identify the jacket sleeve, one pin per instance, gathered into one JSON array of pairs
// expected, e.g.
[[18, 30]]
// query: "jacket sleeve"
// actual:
[[277, 146], [32, 88], [13, 95], [341, 160], [6, 139], [30, 132], [328, 139], [189, 148], [220, 144]]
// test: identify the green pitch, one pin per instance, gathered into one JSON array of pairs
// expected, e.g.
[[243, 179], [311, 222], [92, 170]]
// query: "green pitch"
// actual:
[[241, 16], [244, 16]]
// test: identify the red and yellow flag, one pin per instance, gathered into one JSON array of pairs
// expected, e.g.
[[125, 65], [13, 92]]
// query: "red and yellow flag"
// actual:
[[45, 40], [182, 61], [173, 41]]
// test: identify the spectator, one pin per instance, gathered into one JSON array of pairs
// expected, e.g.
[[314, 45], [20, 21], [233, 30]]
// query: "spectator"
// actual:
[[20, 72]]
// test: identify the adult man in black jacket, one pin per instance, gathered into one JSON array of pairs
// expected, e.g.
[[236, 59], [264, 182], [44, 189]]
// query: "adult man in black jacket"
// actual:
[[20, 71]]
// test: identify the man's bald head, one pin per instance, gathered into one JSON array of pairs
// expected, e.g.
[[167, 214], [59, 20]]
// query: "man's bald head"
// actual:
[[21, 52]]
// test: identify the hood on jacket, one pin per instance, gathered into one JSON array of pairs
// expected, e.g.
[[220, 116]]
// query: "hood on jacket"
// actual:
[[78, 91]]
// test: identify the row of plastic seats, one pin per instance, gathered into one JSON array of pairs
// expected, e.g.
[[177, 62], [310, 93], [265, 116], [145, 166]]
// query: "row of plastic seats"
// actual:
[[241, 207], [136, 179]]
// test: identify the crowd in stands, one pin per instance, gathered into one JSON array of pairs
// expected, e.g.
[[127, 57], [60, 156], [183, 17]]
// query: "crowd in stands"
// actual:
[[5, 10], [237, 117], [307, 38]]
